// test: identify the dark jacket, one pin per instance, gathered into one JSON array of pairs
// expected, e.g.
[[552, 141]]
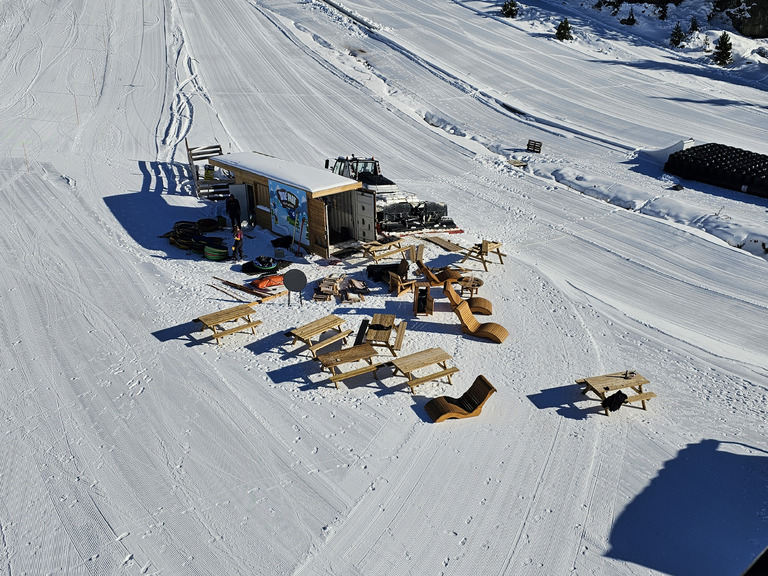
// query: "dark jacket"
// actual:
[[233, 208]]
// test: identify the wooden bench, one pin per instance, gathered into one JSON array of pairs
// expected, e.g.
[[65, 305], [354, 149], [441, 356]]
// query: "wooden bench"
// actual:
[[238, 328], [467, 405], [330, 340], [399, 335], [336, 378], [436, 376], [645, 396], [360, 338]]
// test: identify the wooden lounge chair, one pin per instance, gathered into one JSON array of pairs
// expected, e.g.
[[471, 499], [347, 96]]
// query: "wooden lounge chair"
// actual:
[[448, 273], [470, 325], [428, 274], [467, 405], [438, 276], [477, 304]]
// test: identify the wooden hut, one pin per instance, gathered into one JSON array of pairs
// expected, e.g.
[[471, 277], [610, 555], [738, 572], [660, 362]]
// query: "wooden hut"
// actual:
[[315, 207]]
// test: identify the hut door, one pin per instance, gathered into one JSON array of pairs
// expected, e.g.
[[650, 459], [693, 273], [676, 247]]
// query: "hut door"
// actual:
[[317, 227], [365, 216], [262, 213], [239, 191]]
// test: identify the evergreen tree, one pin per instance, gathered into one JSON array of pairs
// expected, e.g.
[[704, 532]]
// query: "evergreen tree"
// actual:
[[694, 27], [723, 54], [629, 20], [563, 31], [509, 9], [677, 36], [663, 12]]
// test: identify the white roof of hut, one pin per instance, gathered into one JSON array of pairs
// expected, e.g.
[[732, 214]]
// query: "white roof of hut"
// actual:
[[317, 181]]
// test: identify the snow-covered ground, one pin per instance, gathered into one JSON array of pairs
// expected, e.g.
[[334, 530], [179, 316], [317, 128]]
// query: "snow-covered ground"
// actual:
[[135, 446]]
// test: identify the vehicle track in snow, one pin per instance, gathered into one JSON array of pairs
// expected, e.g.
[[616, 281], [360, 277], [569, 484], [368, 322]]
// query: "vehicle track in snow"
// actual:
[[573, 92]]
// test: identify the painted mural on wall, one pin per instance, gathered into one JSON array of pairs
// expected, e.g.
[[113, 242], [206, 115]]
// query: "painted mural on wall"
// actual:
[[288, 207]]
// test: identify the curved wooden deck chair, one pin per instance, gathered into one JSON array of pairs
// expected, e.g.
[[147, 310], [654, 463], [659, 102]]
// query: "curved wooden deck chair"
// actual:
[[470, 325], [477, 304], [467, 405], [439, 277], [448, 273]]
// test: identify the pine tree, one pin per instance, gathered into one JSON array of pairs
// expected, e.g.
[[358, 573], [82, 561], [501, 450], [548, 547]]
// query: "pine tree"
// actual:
[[694, 27], [509, 9], [723, 54], [629, 20], [677, 36], [563, 31], [663, 12]]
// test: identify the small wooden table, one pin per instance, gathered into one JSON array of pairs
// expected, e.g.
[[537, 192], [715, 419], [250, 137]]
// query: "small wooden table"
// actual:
[[215, 319], [315, 328], [380, 330], [406, 365], [332, 360], [607, 383], [470, 284]]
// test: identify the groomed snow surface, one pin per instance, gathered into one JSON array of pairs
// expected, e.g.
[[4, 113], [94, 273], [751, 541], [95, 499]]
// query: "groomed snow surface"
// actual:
[[132, 445]]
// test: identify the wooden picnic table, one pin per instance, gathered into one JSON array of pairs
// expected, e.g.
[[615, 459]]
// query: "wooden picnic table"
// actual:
[[380, 330], [407, 365], [317, 327], [216, 319], [482, 251], [332, 360], [603, 385], [379, 250]]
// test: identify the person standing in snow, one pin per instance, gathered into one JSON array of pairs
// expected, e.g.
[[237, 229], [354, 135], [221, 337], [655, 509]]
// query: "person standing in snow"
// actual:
[[238, 247], [233, 210]]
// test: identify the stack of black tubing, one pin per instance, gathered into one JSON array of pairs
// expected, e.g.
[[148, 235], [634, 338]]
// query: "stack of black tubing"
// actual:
[[721, 165], [191, 236]]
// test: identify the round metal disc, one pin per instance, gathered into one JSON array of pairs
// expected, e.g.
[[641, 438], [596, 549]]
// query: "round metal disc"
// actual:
[[294, 280]]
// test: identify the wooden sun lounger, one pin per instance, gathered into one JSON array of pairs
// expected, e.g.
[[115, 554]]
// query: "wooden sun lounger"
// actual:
[[477, 304], [470, 325], [467, 405], [428, 274]]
